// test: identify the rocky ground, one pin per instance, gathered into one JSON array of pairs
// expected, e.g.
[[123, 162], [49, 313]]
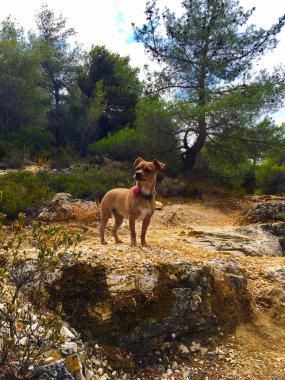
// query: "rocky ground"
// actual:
[[251, 350], [211, 294]]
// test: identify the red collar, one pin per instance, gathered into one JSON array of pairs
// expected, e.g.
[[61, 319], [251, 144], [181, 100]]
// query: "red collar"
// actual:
[[138, 193]]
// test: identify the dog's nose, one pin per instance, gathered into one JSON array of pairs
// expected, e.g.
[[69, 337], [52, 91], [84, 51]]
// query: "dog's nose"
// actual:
[[138, 175]]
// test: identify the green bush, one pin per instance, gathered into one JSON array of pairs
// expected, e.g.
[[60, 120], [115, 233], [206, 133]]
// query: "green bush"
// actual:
[[270, 177], [22, 191], [123, 145], [33, 139], [82, 183]]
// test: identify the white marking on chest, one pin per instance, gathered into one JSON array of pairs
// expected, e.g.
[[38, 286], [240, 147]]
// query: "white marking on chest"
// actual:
[[144, 212]]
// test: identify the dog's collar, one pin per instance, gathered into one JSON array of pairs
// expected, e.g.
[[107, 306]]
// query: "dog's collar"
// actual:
[[138, 193]]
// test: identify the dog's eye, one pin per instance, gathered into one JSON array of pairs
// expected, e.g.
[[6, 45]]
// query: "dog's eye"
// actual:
[[147, 170]]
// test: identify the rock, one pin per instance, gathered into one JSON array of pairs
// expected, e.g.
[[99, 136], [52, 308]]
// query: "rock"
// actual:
[[69, 348], [256, 240], [195, 347], [149, 301], [158, 205], [89, 375], [100, 371], [264, 212], [54, 371], [73, 363], [204, 351], [66, 333], [64, 208], [183, 349]]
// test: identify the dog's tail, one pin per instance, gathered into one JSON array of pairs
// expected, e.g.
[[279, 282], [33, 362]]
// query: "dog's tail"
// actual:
[[98, 206]]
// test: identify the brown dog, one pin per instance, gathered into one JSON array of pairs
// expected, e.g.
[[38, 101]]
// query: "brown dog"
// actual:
[[136, 203]]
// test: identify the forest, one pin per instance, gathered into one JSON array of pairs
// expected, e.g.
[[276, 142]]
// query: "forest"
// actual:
[[206, 113]]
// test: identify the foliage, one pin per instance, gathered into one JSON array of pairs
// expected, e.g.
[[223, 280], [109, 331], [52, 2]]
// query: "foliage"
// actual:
[[22, 191], [154, 136], [120, 85], [27, 329], [59, 63], [35, 139], [97, 105], [26, 192], [123, 145], [22, 101], [82, 183], [206, 62], [270, 177]]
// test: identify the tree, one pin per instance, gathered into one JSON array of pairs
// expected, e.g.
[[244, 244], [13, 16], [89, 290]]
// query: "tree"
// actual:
[[120, 84], [153, 135], [206, 60], [59, 62], [22, 102]]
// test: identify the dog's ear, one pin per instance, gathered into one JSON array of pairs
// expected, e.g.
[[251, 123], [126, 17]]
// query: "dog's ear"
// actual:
[[158, 165], [138, 160]]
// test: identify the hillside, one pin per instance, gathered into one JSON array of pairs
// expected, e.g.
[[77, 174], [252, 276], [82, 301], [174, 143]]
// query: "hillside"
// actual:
[[252, 347]]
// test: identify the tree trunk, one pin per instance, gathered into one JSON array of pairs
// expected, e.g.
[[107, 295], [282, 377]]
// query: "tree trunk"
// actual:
[[191, 153]]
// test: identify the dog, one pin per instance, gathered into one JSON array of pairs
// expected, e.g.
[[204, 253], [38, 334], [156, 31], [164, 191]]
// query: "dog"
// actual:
[[136, 203]]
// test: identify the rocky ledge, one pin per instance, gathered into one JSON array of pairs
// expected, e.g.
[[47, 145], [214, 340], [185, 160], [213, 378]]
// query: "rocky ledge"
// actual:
[[151, 302]]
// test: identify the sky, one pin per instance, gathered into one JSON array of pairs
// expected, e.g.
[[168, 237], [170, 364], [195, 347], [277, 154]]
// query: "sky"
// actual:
[[108, 22]]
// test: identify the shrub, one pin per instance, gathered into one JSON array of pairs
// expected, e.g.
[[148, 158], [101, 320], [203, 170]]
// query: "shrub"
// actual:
[[22, 191], [123, 145], [270, 177], [28, 330]]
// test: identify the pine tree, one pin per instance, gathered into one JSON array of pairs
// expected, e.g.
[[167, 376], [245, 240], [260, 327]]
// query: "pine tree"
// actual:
[[206, 57]]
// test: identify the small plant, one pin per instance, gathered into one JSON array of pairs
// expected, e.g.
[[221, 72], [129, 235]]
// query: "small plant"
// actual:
[[28, 330], [280, 216]]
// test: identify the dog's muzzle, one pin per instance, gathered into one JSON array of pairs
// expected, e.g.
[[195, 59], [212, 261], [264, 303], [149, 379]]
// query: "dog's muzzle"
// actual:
[[139, 176]]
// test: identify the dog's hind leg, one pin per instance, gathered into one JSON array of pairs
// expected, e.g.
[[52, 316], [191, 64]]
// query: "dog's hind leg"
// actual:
[[118, 222], [104, 220]]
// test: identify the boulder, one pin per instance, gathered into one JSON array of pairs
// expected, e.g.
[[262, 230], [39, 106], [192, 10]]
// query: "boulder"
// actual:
[[148, 302], [254, 240], [64, 208], [265, 212]]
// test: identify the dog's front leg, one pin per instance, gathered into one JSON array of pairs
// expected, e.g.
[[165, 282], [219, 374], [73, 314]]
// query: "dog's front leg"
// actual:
[[132, 226], [145, 225]]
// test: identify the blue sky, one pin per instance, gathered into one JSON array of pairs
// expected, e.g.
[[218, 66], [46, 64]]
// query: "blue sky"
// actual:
[[108, 23]]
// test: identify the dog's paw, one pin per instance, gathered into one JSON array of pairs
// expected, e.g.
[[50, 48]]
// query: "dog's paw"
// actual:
[[104, 243]]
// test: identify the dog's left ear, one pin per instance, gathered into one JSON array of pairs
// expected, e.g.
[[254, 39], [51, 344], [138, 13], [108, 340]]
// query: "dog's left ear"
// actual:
[[138, 160], [158, 165]]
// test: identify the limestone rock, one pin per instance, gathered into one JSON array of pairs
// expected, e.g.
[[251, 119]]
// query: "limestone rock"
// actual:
[[152, 300], [265, 212], [158, 205], [64, 208], [254, 240]]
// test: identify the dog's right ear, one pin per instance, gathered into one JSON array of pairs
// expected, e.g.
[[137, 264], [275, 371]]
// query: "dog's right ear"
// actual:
[[137, 161]]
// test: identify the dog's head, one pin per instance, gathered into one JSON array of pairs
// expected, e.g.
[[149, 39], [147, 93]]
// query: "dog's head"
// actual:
[[146, 170]]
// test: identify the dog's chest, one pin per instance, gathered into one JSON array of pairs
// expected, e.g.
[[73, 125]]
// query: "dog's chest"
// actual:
[[143, 212]]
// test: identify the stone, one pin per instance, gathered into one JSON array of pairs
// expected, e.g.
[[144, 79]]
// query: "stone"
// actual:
[[53, 371], [183, 349], [204, 351], [151, 301], [73, 363], [89, 375], [66, 333], [255, 240], [158, 205], [69, 348], [64, 208], [100, 371], [264, 212]]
